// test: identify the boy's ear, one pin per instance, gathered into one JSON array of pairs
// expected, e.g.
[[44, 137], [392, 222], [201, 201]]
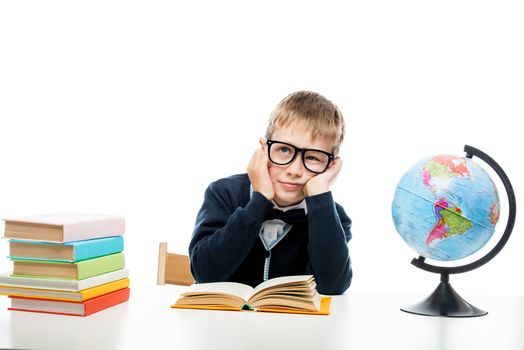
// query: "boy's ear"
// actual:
[[262, 142]]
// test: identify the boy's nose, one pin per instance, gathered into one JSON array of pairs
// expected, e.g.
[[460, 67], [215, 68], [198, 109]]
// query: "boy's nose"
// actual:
[[296, 168]]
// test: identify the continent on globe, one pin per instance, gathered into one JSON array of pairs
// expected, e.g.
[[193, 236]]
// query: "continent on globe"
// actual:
[[494, 213], [450, 222], [444, 168]]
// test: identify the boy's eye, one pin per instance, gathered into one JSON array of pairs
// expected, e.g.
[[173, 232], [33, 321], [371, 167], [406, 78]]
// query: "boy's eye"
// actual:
[[315, 157], [285, 150], [312, 158]]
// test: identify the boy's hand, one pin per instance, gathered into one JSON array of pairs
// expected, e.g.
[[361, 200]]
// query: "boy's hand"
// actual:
[[322, 182], [258, 173]]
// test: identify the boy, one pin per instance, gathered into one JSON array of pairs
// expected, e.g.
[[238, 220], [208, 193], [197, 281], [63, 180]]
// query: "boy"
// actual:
[[280, 219]]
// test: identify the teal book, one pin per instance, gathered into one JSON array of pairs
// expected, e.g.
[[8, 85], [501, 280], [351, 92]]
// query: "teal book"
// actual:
[[76, 270], [67, 252]]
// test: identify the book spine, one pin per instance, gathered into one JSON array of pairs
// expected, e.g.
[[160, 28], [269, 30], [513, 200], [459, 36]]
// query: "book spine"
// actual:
[[89, 306], [93, 248], [105, 301], [62, 284], [113, 226], [100, 265], [105, 289]]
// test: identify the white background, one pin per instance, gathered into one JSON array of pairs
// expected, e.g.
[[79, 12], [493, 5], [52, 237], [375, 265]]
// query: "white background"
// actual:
[[133, 107]]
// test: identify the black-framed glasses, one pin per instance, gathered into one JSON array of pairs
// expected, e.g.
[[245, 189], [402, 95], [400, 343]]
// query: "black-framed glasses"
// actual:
[[314, 160]]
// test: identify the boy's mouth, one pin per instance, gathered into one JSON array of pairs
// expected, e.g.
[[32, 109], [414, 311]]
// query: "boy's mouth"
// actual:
[[291, 185]]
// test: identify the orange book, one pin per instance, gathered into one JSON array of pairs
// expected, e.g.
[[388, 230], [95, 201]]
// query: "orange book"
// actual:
[[86, 294], [83, 308], [289, 294]]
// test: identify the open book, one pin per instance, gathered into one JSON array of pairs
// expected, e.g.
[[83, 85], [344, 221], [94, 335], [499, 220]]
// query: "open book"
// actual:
[[289, 294]]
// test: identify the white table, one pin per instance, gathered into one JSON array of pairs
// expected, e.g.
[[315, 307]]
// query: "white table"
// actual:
[[357, 321]]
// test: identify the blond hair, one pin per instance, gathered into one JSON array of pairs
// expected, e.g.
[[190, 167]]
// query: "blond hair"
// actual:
[[317, 112]]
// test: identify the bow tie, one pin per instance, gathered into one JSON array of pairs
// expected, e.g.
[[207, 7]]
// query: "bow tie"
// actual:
[[292, 216]]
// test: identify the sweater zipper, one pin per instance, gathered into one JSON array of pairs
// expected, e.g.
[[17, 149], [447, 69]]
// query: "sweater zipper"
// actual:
[[266, 266]]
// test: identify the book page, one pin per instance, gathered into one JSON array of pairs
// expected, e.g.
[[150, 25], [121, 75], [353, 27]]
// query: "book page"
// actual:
[[282, 292], [283, 302], [238, 289], [282, 280]]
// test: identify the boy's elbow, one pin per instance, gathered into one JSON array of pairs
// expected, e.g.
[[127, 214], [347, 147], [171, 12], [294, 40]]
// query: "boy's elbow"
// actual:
[[334, 290], [203, 270], [338, 287], [197, 276], [202, 275]]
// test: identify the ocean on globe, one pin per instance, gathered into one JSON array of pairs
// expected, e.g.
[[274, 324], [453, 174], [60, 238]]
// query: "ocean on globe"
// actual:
[[446, 207]]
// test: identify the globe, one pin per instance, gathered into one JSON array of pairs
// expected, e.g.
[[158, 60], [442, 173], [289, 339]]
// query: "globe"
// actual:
[[446, 207]]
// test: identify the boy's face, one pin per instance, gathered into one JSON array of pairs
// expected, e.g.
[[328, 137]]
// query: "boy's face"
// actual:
[[289, 180]]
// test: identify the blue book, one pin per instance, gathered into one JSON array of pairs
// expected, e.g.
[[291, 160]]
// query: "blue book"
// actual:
[[65, 252]]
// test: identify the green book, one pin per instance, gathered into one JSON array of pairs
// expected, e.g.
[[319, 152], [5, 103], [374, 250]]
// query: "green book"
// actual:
[[77, 270]]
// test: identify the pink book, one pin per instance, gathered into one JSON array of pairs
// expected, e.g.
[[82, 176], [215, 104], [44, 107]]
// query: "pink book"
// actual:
[[64, 227]]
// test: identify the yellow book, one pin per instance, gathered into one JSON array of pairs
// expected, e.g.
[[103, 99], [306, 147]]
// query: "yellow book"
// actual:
[[54, 294], [289, 294]]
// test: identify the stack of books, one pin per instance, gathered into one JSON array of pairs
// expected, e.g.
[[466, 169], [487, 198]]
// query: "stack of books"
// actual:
[[71, 264]]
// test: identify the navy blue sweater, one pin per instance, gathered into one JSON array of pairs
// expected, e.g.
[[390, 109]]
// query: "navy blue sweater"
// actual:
[[226, 245]]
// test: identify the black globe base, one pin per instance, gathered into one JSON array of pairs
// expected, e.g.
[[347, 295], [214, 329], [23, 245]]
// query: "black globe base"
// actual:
[[444, 302]]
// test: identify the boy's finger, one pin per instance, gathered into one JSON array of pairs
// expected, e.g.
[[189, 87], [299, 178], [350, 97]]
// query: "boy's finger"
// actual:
[[335, 166]]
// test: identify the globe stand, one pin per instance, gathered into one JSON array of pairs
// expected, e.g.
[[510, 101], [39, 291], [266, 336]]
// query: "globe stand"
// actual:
[[445, 301]]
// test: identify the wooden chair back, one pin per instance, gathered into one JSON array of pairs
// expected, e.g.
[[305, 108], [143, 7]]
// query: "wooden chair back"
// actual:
[[173, 268]]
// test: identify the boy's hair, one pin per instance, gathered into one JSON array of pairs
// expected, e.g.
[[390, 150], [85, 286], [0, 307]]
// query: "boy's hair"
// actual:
[[320, 114]]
